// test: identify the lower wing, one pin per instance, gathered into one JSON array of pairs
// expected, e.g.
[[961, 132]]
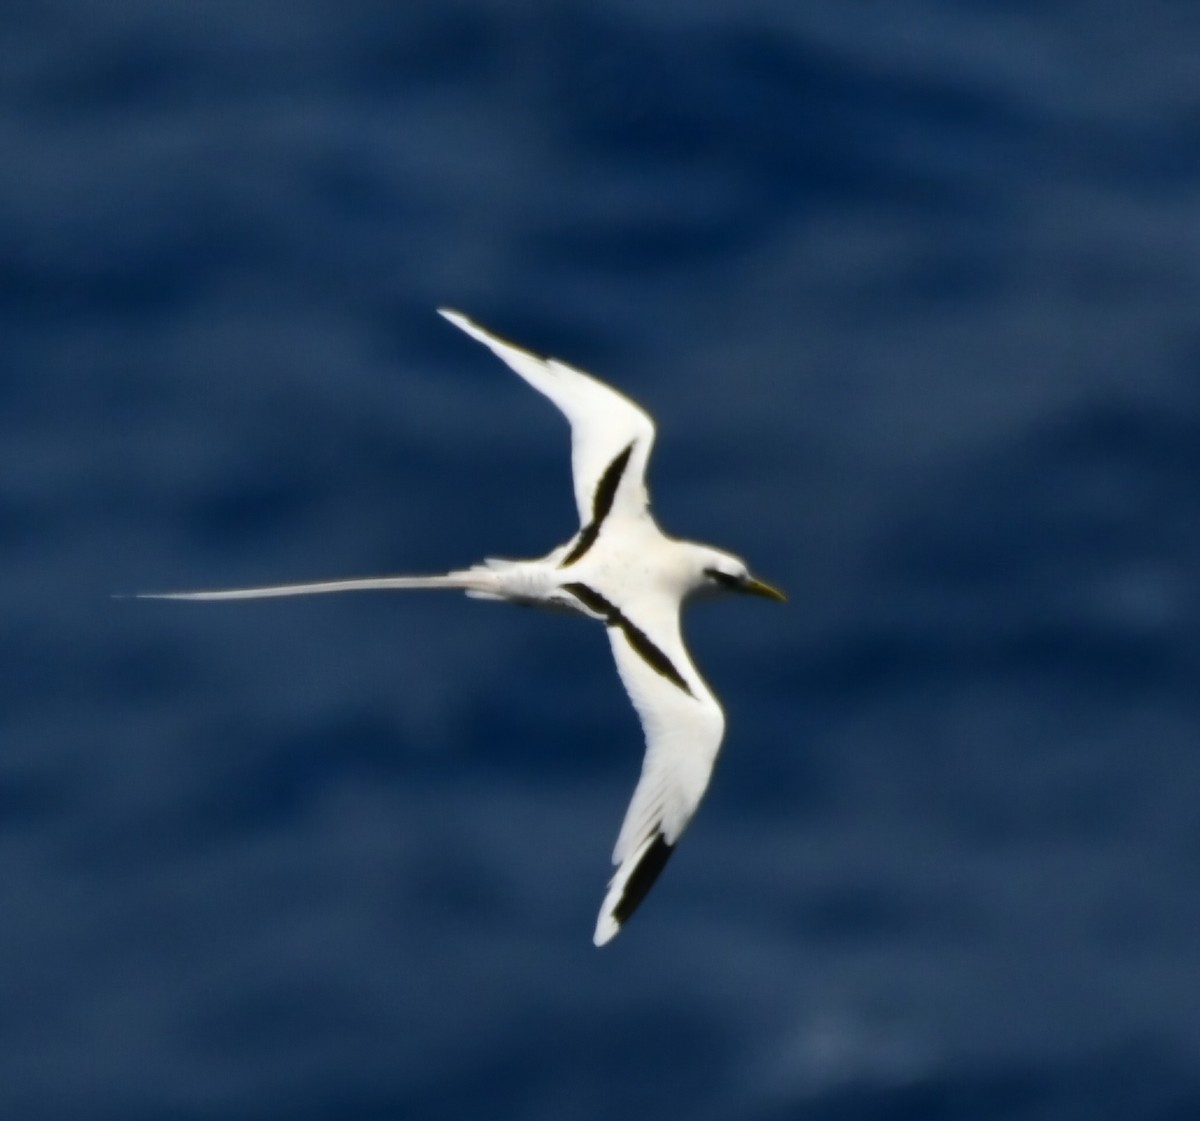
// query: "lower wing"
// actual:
[[684, 726]]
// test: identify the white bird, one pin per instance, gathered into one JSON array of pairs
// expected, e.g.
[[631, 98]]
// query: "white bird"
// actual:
[[623, 571]]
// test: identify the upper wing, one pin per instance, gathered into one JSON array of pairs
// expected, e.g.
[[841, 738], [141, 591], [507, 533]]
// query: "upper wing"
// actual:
[[610, 435], [684, 725]]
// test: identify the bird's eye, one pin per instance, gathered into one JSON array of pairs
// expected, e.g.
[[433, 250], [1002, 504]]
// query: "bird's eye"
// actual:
[[725, 579]]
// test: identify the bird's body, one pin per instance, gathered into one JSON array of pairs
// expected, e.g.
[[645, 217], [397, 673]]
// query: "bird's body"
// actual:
[[622, 570]]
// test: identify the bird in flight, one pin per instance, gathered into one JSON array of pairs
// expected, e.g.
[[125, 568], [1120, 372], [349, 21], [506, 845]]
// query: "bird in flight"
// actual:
[[623, 571]]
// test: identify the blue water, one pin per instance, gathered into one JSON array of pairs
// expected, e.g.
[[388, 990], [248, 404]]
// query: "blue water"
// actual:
[[912, 290]]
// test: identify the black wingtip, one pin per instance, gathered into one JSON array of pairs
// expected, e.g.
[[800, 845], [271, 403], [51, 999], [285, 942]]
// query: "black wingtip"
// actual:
[[641, 880]]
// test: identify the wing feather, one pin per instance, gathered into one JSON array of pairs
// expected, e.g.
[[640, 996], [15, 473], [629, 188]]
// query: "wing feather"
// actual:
[[604, 423], [683, 730]]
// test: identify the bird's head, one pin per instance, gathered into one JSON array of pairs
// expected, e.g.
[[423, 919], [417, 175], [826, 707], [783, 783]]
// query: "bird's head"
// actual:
[[720, 572]]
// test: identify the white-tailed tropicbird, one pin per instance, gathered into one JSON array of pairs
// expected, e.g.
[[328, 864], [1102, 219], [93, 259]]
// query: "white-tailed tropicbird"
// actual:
[[622, 570]]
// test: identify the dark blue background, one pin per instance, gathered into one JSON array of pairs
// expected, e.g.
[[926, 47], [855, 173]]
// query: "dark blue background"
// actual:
[[912, 290]]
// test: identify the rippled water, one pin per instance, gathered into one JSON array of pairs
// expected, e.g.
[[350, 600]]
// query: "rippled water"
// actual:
[[912, 293]]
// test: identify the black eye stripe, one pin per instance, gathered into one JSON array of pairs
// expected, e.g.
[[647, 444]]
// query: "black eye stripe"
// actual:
[[723, 577]]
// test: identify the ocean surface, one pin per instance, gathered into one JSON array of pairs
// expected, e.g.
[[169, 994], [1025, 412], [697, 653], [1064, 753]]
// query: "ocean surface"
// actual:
[[913, 291]]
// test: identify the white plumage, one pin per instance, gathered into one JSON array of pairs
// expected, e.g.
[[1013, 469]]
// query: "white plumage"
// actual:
[[621, 569]]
